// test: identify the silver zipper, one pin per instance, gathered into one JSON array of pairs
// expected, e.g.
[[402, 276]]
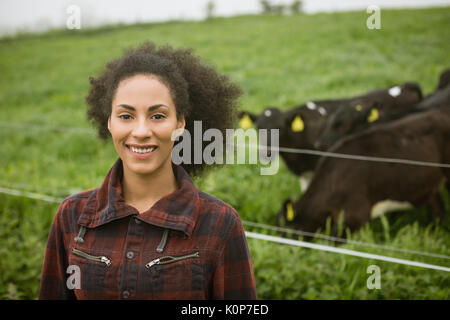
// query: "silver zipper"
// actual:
[[171, 259], [82, 254]]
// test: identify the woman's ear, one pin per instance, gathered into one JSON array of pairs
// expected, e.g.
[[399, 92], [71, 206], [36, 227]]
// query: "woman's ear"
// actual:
[[109, 123], [181, 123]]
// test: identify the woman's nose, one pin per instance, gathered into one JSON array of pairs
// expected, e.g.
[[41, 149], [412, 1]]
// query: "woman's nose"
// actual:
[[142, 129]]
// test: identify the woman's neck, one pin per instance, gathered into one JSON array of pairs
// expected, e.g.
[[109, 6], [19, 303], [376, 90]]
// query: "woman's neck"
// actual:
[[143, 191]]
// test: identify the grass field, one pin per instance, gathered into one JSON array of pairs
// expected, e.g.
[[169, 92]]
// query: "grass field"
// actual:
[[277, 60]]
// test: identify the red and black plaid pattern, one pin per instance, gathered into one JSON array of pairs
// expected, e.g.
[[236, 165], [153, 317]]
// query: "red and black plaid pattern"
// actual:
[[206, 239]]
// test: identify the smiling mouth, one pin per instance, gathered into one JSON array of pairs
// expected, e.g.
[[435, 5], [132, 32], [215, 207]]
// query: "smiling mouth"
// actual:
[[142, 150]]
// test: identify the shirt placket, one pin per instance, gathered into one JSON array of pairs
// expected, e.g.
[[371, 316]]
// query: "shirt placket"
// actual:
[[131, 257]]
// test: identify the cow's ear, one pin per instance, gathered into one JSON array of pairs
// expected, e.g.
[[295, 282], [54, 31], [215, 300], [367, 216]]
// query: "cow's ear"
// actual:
[[286, 214], [373, 115], [297, 124], [289, 210], [246, 119], [444, 79]]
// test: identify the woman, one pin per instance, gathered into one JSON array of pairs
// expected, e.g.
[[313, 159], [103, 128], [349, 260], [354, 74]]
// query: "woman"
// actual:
[[147, 232]]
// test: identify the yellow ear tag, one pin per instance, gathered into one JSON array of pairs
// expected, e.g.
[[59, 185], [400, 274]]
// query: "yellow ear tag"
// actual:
[[290, 212], [297, 124], [358, 107], [373, 115], [245, 122]]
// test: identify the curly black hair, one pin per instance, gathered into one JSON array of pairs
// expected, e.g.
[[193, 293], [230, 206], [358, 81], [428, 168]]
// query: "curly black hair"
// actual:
[[198, 91]]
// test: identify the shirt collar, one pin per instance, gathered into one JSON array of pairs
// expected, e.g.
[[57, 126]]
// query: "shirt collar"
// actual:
[[176, 210]]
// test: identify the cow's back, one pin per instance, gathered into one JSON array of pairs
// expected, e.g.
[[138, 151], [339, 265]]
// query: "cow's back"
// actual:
[[418, 137]]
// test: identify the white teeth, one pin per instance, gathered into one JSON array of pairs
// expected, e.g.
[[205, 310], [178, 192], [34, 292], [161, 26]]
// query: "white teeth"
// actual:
[[139, 150]]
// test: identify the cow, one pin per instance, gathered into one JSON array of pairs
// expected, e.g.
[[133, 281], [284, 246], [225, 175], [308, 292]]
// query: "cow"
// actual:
[[298, 128], [348, 120], [366, 110], [440, 97], [356, 188], [302, 126]]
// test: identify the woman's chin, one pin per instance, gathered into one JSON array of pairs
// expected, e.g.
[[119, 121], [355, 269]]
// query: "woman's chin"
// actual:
[[142, 168]]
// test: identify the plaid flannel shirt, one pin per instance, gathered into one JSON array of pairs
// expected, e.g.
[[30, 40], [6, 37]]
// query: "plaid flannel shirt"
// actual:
[[188, 245]]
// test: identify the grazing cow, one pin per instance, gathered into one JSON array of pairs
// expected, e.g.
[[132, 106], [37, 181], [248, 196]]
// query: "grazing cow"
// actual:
[[301, 127], [366, 110], [298, 128], [346, 120], [355, 187]]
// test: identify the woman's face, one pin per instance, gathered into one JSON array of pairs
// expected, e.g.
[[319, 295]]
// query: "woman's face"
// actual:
[[142, 120]]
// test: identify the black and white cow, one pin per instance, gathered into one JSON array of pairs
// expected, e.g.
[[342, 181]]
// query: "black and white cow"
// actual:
[[302, 126], [359, 189], [362, 111]]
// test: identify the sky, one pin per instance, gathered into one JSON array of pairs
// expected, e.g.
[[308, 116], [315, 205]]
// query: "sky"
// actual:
[[41, 15]]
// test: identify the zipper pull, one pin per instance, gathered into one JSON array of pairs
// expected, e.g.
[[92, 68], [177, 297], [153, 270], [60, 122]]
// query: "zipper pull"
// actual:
[[170, 259], [106, 261], [85, 255], [153, 262]]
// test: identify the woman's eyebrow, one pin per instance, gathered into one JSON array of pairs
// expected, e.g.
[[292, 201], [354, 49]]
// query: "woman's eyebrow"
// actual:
[[151, 108]]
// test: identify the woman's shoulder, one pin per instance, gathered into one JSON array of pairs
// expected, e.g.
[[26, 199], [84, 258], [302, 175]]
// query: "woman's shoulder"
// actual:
[[219, 219], [80, 196], [213, 203], [74, 204]]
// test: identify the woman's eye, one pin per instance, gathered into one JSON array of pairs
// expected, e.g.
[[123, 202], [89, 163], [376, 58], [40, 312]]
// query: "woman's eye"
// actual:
[[158, 116], [125, 117]]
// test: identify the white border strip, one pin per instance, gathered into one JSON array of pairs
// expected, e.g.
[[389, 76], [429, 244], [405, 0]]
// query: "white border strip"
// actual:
[[343, 251]]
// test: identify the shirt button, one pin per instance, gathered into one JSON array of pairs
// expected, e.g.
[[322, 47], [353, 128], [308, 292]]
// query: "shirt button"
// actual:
[[126, 294], [130, 254]]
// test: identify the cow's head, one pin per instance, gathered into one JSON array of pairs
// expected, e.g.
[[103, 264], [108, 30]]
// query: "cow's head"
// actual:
[[246, 119], [270, 118], [360, 112], [346, 120], [293, 215], [287, 214], [304, 125]]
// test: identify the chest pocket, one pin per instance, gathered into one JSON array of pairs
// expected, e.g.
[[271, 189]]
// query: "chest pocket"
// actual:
[[180, 276], [93, 269]]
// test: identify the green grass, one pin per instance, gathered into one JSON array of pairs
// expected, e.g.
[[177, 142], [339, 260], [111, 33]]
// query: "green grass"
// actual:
[[281, 61]]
